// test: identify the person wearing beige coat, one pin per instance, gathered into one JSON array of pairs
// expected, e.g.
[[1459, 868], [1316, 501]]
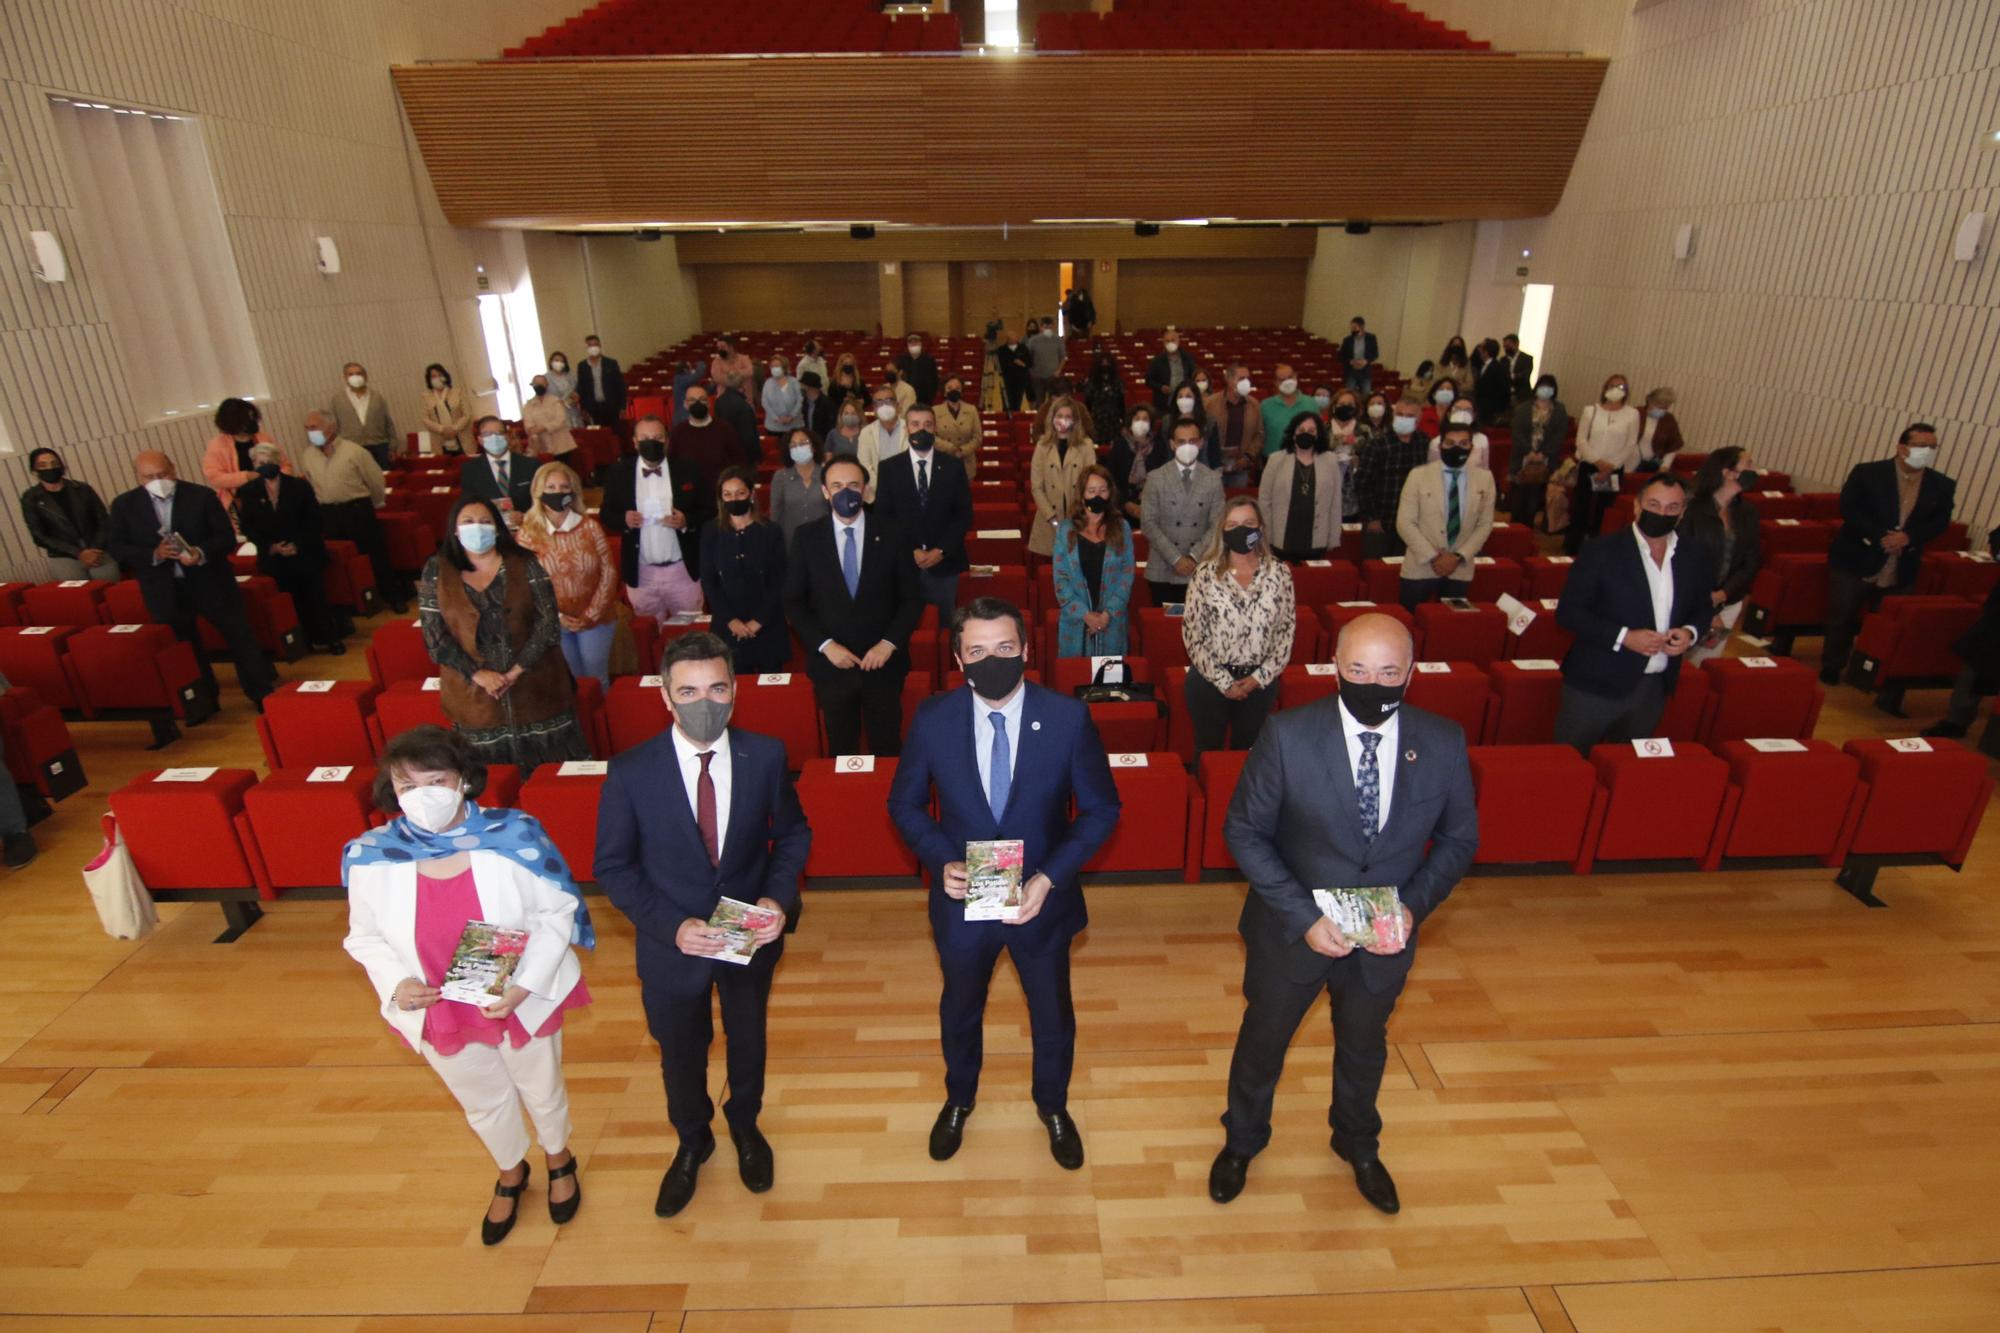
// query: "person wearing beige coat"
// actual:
[[1055, 471], [1275, 493], [958, 427], [1434, 566]]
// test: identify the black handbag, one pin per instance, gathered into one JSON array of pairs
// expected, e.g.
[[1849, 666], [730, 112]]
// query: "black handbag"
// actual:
[[1124, 690]]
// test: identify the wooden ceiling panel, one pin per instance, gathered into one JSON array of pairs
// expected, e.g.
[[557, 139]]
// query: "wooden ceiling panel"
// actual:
[[978, 141]]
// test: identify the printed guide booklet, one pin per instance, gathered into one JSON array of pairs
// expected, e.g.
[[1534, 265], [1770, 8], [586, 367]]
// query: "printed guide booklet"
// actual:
[[740, 921], [1365, 916], [483, 963], [993, 880]]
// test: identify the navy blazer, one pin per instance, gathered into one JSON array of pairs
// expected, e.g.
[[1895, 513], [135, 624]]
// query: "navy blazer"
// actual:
[[653, 867], [1059, 757], [475, 478], [1294, 825], [133, 531], [603, 410], [1871, 508], [1607, 592], [942, 521]]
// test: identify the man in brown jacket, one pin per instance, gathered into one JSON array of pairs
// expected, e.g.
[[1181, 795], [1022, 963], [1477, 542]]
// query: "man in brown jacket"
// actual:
[[1239, 419]]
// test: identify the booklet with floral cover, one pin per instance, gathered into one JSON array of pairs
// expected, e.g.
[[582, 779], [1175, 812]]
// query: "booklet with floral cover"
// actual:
[[993, 880], [741, 922], [483, 963], [1365, 916]]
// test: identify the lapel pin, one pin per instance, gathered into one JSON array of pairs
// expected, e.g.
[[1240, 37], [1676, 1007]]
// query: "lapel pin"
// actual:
[[1034, 726], [1409, 756]]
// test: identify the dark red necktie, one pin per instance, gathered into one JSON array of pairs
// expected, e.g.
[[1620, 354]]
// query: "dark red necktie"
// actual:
[[704, 809]]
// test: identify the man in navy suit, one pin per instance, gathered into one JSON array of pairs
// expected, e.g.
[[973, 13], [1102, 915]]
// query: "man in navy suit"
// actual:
[[925, 492], [1890, 509], [1354, 791], [1360, 350], [1636, 601], [700, 814], [600, 386], [1005, 758], [496, 473]]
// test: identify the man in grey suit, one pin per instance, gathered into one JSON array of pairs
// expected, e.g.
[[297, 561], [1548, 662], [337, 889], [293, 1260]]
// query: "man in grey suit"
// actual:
[[1345, 793], [361, 414], [1179, 509]]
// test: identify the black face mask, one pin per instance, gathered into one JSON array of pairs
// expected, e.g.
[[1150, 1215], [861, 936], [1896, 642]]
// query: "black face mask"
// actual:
[[1657, 525], [268, 470], [1305, 444], [1454, 458], [51, 475], [539, 389], [1096, 504], [652, 450], [558, 500], [1241, 541], [920, 440], [1345, 412], [994, 677], [736, 508], [697, 411], [1371, 704], [952, 395], [1746, 479]]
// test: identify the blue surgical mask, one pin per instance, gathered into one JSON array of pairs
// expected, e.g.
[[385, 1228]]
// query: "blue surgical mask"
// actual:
[[495, 445], [478, 538], [1404, 425], [1545, 391], [318, 437]]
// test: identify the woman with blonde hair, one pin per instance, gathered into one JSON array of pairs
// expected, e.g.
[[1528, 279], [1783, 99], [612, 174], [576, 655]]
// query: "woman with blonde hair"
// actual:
[[1240, 618], [847, 381], [1093, 571], [580, 563], [1055, 473]]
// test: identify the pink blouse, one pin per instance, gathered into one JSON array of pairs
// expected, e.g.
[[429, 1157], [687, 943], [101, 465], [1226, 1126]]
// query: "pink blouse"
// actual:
[[443, 908]]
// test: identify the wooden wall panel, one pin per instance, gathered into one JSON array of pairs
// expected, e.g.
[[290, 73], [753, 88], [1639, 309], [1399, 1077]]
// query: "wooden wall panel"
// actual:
[[1010, 289], [1157, 292], [927, 296], [1083, 136], [787, 296]]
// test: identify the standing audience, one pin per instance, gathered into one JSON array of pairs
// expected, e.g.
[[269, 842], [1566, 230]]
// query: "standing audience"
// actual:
[[1889, 510], [1385, 466], [784, 400], [1058, 463], [545, 418], [226, 463], [655, 506], [1659, 432], [924, 494], [743, 577], [350, 488], [1239, 424], [1093, 568], [1722, 522], [1182, 506], [1444, 519], [280, 516], [362, 415], [1541, 427], [959, 430], [600, 386], [1238, 627], [798, 491], [577, 557], [1301, 492], [1171, 368], [1607, 447], [447, 415]]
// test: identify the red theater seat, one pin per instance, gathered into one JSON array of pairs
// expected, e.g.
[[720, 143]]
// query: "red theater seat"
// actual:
[[10, 602], [1958, 574], [1461, 692], [1663, 807], [350, 579], [780, 705], [409, 539], [312, 723], [1538, 804], [1511, 541], [1908, 645], [1335, 617], [1759, 696], [299, 819], [184, 840], [402, 707], [1382, 580], [37, 657], [1160, 639], [274, 621], [1921, 801], [40, 753], [1216, 776], [1526, 700], [566, 804], [72, 602], [124, 604], [1307, 683], [1543, 639], [634, 712], [1545, 575], [846, 801], [1492, 576], [1687, 708], [396, 652], [1789, 802], [1787, 599], [142, 668], [1152, 831], [503, 787], [1320, 582], [1448, 634]]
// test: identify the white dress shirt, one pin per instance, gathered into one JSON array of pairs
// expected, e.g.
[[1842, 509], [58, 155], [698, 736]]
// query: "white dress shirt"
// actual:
[[1659, 582], [719, 772], [654, 499], [840, 527], [982, 735], [1385, 757]]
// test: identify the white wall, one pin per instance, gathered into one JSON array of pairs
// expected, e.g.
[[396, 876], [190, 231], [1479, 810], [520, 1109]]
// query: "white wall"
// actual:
[[1825, 151], [1409, 283], [1587, 26]]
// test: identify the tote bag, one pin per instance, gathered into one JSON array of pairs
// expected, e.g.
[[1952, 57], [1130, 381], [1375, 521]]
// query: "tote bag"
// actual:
[[124, 907]]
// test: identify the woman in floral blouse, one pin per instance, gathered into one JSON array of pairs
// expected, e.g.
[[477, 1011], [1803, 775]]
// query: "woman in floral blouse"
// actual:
[[1238, 628]]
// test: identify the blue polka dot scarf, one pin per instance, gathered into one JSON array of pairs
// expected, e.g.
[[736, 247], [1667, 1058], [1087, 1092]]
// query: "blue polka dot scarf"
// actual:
[[516, 836]]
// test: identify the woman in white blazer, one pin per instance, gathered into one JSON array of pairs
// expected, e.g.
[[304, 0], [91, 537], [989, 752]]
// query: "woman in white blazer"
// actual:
[[1437, 562], [412, 887]]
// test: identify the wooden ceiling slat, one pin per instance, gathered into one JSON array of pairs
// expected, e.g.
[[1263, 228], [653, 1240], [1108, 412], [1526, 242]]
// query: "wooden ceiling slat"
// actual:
[[979, 141]]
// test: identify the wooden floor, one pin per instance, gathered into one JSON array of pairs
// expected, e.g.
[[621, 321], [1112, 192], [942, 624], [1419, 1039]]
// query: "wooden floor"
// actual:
[[1614, 1103]]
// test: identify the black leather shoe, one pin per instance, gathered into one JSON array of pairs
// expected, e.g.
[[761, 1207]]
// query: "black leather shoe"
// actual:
[[948, 1132], [1829, 678], [1226, 1177], [753, 1159], [1065, 1144], [677, 1186], [560, 1213], [1947, 729], [1373, 1180], [19, 849], [491, 1232]]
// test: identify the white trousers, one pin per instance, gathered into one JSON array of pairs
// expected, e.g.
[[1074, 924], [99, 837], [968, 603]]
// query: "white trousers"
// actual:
[[492, 1083]]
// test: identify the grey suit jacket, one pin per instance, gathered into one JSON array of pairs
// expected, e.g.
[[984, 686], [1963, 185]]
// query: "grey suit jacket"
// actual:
[[1177, 520], [1294, 825]]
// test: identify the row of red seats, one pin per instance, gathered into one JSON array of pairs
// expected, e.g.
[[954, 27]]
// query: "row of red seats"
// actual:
[[40, 753], [685, 27], [1207, 25], [83, 603], [109, 672]]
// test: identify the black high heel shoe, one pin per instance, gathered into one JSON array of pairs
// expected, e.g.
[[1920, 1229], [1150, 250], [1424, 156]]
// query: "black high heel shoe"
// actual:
[[560, 1213], [491, 1232]]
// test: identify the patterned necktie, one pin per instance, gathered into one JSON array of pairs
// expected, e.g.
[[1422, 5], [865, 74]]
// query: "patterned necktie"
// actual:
[[923, 481], [1000, 779], [704, 809], [1450, 509], [1370, 786], [850, 562]]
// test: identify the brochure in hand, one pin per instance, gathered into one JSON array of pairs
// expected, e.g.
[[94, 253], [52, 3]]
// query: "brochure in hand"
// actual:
[[483, 963], [1365, 916], [993, 880], [741, 922]]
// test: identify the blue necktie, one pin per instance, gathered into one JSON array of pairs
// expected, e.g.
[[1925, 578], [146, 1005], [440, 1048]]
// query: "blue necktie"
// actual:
[[850, 563], [999, 779], [1371, 786]]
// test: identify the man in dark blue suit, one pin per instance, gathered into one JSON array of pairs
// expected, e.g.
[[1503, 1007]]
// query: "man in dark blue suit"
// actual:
[[1636, 600], [924, 492], [700, 814], [1355, 791], [1005, 758]]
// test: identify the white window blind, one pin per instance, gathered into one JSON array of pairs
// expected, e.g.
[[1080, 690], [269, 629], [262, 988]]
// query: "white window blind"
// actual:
[[159, 256]]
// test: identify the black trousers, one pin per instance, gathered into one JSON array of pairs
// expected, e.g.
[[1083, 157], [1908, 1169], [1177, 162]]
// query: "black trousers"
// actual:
[[1381, 545], [1166, 593], [1273, 1005], [1584, 719], [1013, 392], [1586, 509], [848, 700], [1222, 723], [303, 579], [1848, 598], [968, 974], [684, 1026], [354, 521], [202, 593]]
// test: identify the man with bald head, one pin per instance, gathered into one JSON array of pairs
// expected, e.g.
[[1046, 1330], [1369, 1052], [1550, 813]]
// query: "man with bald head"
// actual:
[[175, 538], [348, 483], [1354, 791]]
